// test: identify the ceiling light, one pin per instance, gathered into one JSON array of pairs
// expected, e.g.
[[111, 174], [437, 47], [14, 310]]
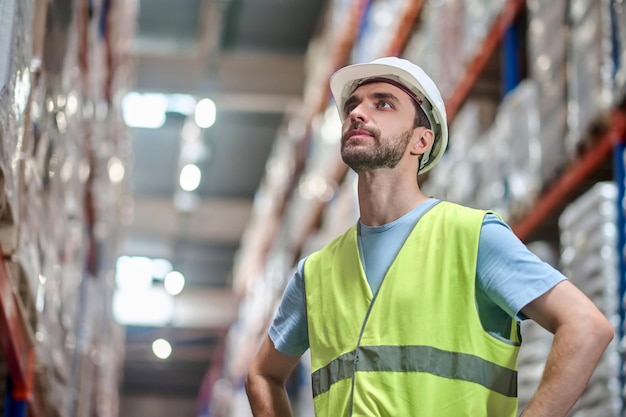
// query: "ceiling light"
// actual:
[[144, 110], [161, 348], [116, 170], [150, 307], [174, 282], [190, 177], [133, 273], [205, 113], [72, 103]]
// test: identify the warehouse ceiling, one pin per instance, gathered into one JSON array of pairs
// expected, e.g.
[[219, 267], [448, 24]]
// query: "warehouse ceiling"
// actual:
[[248, 57]]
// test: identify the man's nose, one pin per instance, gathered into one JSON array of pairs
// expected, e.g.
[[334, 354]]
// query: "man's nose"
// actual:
[[357, 114]]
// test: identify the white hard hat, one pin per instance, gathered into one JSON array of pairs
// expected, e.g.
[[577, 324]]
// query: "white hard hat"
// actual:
[[347, 79]]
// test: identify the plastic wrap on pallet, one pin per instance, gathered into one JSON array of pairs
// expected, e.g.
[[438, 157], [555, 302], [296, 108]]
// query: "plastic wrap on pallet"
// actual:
[[478, 18], [531, 360], [318, 61], [377, 30], [342, 213], [547, 43], [448, 36], [593, 207], [590, 70], [589, 259], [518, 119], [466, 129], [489, 161], [437, 42], [15, 47], [317, 182]]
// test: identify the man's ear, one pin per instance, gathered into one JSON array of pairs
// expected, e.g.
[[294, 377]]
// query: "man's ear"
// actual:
[[422, 141]]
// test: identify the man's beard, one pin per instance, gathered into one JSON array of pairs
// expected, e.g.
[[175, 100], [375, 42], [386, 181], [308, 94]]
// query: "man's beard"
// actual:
[[385, 153]]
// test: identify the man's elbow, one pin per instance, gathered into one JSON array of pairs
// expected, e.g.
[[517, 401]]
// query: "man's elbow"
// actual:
[[601, 332]]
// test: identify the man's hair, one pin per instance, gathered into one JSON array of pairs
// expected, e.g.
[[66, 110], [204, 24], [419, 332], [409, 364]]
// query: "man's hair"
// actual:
[[420, 119]]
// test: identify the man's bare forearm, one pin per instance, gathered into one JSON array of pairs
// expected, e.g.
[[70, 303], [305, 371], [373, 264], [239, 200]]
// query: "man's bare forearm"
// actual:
[[572, 360], [267, 397]]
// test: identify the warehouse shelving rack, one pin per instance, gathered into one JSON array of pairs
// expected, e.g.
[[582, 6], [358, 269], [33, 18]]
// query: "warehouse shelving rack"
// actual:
[[562, 189], [25, 395], [453, 104], [572, 180]]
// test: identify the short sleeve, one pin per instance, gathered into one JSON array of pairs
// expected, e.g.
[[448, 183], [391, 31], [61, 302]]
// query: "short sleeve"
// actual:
[[289, 331], [508, 272]]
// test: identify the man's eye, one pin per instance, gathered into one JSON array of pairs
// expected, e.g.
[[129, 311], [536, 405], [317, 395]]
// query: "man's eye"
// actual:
[[384, 105]]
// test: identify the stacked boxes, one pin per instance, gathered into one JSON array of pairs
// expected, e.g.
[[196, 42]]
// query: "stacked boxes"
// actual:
[[448, 37], [55, 82], [465, 132], [537, 341], [379, 26], [589, 258], [497, 168], [590, 70], [15, 46], [518, 140], [547, 40], [536, 345]]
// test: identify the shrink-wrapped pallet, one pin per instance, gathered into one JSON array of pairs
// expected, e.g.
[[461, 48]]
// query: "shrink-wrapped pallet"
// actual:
[[589, 258], [589, 71], [547, 44]]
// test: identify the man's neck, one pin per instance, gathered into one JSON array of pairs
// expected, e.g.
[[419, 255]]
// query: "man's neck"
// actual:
[[385, 197]]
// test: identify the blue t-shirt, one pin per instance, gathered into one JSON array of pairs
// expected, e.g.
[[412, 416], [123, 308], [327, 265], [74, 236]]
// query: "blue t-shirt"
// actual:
[[508, 277]]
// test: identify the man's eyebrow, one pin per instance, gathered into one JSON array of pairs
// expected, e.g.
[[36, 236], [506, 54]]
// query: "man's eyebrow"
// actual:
[[385, 96], [377, 96]]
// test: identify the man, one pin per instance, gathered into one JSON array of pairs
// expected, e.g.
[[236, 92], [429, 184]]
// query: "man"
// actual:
[[415, 310]]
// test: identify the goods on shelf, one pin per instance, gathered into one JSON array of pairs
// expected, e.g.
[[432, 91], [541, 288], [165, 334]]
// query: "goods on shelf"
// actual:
[[466, 130], [518, 123], [590, 70], [318, 180], [15, 46], [330, 49], [497, 168], [547, 44], [59, 81], [377, 29], [536, 345], [589, 258]]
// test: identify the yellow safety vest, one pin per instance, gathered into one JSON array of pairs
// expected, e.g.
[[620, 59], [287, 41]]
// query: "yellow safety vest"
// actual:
[[417, 348]]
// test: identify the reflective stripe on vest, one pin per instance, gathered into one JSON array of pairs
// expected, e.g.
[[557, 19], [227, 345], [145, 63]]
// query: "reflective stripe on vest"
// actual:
[[427, 359]]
